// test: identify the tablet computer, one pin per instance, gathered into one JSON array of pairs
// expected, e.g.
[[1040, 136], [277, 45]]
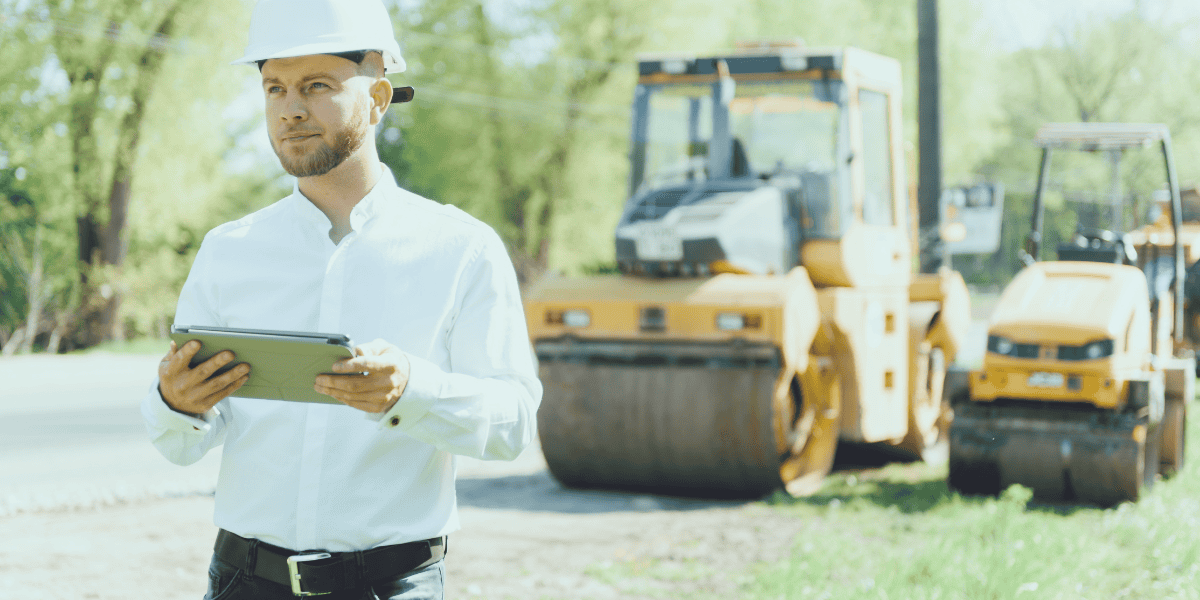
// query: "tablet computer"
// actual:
[[283, 364]]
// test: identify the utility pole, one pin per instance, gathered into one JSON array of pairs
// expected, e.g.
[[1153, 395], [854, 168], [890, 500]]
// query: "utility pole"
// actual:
[[929, 130]]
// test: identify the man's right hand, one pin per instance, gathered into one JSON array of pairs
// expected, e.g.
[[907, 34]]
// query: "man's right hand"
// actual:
[[190, 390]]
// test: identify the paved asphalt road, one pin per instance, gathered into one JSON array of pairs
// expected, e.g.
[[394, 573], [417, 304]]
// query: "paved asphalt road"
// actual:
[[71, 435]]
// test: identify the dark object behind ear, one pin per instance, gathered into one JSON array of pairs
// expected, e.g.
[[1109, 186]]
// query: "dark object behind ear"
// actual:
[[402, 94]]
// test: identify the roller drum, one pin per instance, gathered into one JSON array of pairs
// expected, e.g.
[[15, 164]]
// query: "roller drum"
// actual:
[[683, 419], [1062, 454]]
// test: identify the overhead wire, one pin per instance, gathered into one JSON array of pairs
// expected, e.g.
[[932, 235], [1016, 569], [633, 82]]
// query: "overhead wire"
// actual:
[[435, 39], [132, 37], [530, 113]]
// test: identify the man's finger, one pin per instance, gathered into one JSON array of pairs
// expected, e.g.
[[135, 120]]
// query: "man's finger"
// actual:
[[219, 382], [361, 364], [218, 395], [355, 383], [212, 365], [366, 397], [166, 360], [229, 389], [182, 360]]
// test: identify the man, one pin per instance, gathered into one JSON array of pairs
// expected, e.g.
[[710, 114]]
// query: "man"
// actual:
[[352, 500]]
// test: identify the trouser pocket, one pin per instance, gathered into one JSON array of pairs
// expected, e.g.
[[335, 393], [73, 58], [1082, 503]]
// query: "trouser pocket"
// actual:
[[223, 580]]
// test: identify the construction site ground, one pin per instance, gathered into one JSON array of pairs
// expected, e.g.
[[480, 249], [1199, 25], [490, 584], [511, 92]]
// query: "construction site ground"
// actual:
[[88, 509]]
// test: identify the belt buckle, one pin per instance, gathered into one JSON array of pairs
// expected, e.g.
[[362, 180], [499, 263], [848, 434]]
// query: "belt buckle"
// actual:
[[293, 565]]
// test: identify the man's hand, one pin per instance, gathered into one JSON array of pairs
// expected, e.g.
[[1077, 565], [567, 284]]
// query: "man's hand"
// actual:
[[386, 375], [191, 391]]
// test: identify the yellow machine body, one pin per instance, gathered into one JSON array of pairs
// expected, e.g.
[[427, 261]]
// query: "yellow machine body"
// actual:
[[1083, 391], [1053, 308], [735, 381]]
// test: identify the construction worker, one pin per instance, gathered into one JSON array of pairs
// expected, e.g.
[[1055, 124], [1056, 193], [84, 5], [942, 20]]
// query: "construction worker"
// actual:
[[352, 500]]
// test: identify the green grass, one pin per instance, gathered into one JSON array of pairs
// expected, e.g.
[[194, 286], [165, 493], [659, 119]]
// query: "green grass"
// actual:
[[900, 533]]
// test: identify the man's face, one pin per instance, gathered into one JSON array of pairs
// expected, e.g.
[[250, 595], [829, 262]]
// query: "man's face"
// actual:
[[318, 109]]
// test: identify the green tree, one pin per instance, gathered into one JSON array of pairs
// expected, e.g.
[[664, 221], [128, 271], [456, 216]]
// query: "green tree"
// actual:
[[118, 128], [522, 118], [1131, 67]]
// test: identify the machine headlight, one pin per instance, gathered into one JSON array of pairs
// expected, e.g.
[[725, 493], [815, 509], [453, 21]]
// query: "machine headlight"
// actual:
[[730, 321], [571, 318], [1098, 349], [738, 321], [577, 318], [1000, 345], [1007, 347], [1088, 351]]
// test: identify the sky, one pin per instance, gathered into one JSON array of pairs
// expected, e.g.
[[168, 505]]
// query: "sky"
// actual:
[[1026, 23]]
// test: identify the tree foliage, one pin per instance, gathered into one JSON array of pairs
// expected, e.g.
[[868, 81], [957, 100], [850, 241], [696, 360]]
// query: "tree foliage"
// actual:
[[1130, 67], [99, 95], [120, 146]]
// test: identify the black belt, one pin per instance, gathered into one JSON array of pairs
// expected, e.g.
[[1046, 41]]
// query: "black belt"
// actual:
[[315, 573]]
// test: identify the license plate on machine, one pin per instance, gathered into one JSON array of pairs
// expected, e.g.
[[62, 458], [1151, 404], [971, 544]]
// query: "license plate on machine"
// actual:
[[659, 243], [1046, 380]]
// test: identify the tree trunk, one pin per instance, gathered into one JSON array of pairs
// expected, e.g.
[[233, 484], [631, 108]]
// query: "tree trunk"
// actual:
[[103, 244], [114, 245], [36, 294]]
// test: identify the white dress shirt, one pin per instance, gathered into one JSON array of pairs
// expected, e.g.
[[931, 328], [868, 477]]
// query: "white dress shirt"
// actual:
[[425, 277]]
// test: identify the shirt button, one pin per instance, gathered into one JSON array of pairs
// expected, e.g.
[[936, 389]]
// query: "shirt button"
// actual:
[[395, 421]]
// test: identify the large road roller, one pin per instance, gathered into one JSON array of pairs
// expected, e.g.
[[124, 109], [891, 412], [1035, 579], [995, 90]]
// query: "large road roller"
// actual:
[[766, 305], [1084, 387]]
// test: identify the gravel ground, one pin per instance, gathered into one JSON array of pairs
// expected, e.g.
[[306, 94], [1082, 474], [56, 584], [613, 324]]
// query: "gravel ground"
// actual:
[[89, 510], [523, 537]]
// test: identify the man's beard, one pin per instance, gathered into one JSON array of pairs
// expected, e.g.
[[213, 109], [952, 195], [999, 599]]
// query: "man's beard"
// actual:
[[325, 157]]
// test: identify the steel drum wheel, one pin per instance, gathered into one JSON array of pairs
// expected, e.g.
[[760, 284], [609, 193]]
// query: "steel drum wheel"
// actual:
[[992, 448], [682, 428]]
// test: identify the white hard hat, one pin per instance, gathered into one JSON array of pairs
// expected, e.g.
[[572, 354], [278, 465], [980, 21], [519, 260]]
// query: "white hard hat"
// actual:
[[286, 28]]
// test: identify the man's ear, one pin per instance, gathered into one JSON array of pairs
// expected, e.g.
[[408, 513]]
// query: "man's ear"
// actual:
[[381, 99]]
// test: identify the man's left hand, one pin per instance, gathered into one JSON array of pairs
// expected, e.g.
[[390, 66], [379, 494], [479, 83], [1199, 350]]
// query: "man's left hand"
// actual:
[[372, 381]]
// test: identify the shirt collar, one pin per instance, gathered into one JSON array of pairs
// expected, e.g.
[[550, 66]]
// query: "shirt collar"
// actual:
[[366, 209]]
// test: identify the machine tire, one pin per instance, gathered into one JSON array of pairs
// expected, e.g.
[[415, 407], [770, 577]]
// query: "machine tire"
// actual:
[[1174, 437], [926, 412]]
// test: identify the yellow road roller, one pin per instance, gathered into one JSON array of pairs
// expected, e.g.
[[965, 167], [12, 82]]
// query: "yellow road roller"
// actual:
[[766, 305], [1084, 387]]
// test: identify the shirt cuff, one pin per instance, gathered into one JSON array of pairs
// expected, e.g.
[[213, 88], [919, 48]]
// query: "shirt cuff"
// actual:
[[162, 416], [420, 393]]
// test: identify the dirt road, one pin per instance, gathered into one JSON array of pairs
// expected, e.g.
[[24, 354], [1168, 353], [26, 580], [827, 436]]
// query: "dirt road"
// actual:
[[89, 510]]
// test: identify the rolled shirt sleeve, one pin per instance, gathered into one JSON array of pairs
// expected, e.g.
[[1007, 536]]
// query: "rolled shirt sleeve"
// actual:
[[180, 438], [485, 408]]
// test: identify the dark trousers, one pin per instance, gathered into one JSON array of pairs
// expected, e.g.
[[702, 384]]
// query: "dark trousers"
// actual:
[[226, 582]]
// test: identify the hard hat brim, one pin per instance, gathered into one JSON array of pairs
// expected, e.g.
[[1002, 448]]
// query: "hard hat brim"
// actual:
[[391, 62]]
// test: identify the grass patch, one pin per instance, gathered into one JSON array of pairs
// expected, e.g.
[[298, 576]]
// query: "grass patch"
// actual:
[[144, 345], [900, 533]]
